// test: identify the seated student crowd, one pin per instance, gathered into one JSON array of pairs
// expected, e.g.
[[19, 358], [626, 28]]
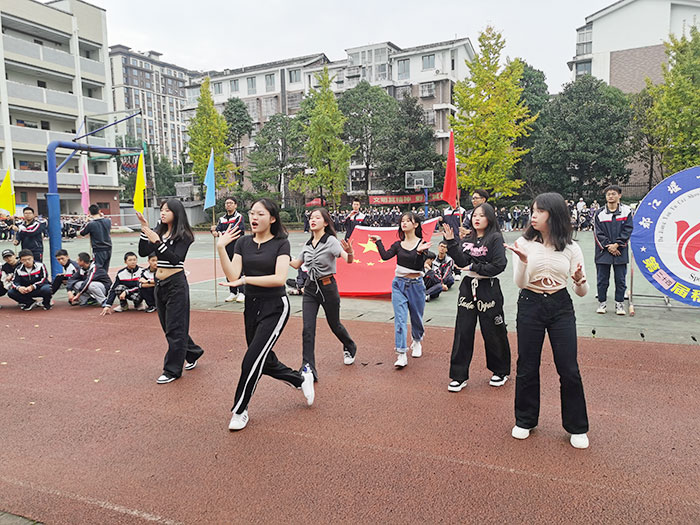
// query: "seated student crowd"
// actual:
[[27, 281]]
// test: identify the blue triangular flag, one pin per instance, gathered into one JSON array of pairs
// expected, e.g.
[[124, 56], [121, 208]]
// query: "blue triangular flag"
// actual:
[[210, 183]]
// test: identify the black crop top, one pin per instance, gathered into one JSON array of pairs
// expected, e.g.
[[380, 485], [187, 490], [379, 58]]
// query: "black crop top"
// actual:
[[171, 253], [261, 260], [409, 259]]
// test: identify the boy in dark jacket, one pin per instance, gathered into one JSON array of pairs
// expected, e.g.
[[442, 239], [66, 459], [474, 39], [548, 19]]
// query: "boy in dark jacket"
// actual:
[[90, 284], [125, 286], [70, 267], [432, 281], [31, 280]]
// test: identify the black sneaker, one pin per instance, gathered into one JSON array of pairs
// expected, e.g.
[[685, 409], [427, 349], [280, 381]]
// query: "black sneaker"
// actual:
[[150, 309], [497, 380], [48, 307], [28, 307], [163, 379], [190, 366]]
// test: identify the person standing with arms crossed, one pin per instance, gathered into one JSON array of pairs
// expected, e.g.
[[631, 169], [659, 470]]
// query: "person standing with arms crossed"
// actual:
[[232, 218], [30, 234], [98, 227], [545, 258]]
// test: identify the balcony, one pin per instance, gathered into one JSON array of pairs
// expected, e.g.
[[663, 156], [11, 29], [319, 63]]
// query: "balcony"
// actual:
[[36, 139], [42, 56], [94, 106], [92, 68], [353, 71], [42, 98], [41, 178]]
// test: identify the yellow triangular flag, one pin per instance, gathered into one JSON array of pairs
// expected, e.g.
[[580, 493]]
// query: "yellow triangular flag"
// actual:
[[140, 185], [7, 195]]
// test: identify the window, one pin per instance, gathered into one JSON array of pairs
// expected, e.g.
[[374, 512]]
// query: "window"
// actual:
[[23, 196], [427, 89], [251, 85], [583, 68], [30, 165], [217, 88], [270, 82], [364, 57], [429, 117], [381, 72], [41, 83], [125, 60], [403, 91], [404, 69], [234, 85], [354, 59], [295, 76], [252, 106], [26, 124], [428, 62], [269, 107], [134, 62], [294, 101], [453, 59], [380, 55], [340, 76], [135, 81]]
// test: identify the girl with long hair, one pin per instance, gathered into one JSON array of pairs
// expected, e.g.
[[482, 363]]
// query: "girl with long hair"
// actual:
[[482, 255], [171, 240], [320, 289], [545, 258], [407, 288], [263, 260]]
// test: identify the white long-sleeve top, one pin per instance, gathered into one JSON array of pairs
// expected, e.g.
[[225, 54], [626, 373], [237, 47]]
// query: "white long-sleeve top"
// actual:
[[547, 270]]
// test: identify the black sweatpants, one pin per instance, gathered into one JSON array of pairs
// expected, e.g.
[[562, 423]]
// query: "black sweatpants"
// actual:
[[173, 303], [488, 309], [102, 258], [148, 295], [326, 295], [554, 314], [57, 282], [264, 319]]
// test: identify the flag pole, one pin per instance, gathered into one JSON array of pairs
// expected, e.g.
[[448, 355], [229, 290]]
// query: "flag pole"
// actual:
[[216, 285]]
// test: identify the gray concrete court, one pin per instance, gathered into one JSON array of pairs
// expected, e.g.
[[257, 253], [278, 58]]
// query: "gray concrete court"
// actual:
[[657, 324]]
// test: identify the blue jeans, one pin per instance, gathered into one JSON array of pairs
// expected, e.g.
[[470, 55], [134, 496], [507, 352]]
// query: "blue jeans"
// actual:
[[603, 271], [407, 297]]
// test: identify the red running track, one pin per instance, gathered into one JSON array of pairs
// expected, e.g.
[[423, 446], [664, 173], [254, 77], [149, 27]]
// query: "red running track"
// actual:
[[88, 437]]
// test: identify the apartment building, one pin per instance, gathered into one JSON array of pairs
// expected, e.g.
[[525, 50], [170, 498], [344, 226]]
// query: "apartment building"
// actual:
[[143, 81], [427, 72], [623, 44], [54, 85]]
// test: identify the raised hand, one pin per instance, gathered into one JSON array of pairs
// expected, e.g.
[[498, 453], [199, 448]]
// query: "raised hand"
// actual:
[[227, 237], [423, 246], [374, 238], [448, 232], [517, 250], [142, 219], [347, 246]]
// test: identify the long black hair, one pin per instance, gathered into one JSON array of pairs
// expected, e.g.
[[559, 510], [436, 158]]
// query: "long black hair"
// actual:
[[559, 222], [329, 228], [415, 218], [181, 226], [490, 214], [277, 229]]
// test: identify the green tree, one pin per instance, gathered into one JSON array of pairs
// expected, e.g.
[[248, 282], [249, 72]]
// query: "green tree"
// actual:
[[408, 146], [678, 105], [277, 157], [327, 156], [370, 112], [491, 117], [648, 137], [582, 144], [239, 123], [207, 130]]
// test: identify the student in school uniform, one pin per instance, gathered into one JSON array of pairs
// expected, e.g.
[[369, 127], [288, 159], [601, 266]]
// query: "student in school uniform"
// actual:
[[70, 268], [126, 287], [233, 219], [90, 284], [29, 282], [147, 283], [30, 234]]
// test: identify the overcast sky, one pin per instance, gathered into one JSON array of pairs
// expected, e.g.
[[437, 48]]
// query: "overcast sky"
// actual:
[[219, 34]]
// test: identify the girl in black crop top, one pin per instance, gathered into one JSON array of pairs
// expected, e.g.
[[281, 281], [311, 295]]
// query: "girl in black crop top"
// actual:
[[170, 241], [264, 259], [407, 288]]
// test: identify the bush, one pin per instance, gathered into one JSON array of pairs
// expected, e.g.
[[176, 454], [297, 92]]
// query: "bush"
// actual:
[[285, 216]]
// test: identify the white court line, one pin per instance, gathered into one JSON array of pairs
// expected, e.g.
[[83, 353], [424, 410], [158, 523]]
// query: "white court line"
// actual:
[[91, 501]]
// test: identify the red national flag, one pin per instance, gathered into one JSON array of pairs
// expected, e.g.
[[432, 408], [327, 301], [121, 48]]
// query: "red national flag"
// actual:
[[368, 274], [449, 189]]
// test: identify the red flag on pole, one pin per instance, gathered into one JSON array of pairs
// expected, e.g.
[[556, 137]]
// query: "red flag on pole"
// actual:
[[449, 189], [368, 274]]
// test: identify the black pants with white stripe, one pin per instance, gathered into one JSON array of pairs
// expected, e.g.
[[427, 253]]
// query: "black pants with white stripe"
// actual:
[[173, 303], [264, 318]]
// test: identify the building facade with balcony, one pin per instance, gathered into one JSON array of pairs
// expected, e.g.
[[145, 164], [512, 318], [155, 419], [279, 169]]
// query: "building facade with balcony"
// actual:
[[142, 81], [623, 44], [54, 84], [426, 72]]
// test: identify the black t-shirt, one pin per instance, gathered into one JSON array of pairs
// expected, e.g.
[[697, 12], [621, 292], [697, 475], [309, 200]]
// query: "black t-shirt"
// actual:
[[99, 230], [259, 260]]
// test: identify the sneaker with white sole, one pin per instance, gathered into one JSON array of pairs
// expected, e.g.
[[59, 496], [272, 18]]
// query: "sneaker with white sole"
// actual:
[[348, 358], [427, 298], [602, 308], [230, 298], [579, 440], [457, 277], [520, 432], [118, 308], [163, 379], [416, 349], [238, 421], [190, 366], [456, 386], [307, 387], [620, 308], [150, 309], [240, 298], [497, 380], [401, 360], [28, 307], [141, 307]]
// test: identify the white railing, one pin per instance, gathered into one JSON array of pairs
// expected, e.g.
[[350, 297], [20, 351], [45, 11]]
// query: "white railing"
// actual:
[[94, 106], [47, 96], [74, 179], [92, 66], [32, 50]]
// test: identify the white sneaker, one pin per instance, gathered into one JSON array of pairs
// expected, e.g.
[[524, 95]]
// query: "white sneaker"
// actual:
[[230, 298], [579, 440], [348, 358], [238, 421], [141, 307], [118, 308], [416, 349], [427, 298], [308, 385], [602, 308], [520, 433], [240, 298], [497, 380], [456, 386], [163, 379], [401, 360], [190, 366], [620, 308], [457, 277]]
